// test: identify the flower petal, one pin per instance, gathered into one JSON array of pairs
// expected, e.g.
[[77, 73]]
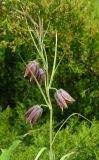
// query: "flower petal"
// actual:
[[33, 114], [60, 100], [41, 76], [31, 70], [66, 96]]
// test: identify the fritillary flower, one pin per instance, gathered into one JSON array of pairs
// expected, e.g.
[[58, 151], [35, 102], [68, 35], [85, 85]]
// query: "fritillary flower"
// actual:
[[41, 75], [63, 98], [31, 70], [33, 114]]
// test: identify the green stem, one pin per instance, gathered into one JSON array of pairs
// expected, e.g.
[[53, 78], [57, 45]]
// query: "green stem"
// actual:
[[43, 105], [59, 62], [51, 123], [53, 88], [54, 63], [51, 150], [66, 121], [39, 40]]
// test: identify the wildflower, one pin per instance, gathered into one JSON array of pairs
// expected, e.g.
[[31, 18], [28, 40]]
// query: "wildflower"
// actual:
[[33, 114], [41, 76], [31, 70], [63, 98]]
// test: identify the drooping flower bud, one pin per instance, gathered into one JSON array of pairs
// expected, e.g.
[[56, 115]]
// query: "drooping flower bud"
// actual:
[[41, 75], [31, 70], [66, 96], [60, 101], [33, 114], [63, 98]]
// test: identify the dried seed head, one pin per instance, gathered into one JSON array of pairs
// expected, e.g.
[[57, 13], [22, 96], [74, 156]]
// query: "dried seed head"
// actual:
[[33, 114], [31, 70], [63, 98]]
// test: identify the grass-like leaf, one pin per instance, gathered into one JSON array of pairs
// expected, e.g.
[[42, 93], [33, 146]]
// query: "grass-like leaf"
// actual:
[[40, 152], [67, 156], [6, 153]]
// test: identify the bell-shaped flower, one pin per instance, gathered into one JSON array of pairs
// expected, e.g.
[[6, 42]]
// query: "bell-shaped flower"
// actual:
[[41, 76], [63, 98], [33, 114], [31, 70]]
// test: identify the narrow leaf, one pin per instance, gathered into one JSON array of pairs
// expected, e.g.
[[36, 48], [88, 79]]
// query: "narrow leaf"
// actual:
[[40, 152], [6, 153], [67, 156]]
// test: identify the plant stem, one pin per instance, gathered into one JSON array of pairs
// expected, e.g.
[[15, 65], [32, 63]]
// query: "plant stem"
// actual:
[[54, 63], [49, 101], [66, 121], [51, 123], [53, 88], [51, 150]]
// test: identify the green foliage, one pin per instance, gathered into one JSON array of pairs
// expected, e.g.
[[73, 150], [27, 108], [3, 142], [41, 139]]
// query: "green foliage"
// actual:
[[40, 152], [6, 153], [77, 139], [77, 24], [81, 140]]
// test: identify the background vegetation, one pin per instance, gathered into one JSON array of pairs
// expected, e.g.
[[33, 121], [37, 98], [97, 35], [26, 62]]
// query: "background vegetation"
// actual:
[[77, 24]]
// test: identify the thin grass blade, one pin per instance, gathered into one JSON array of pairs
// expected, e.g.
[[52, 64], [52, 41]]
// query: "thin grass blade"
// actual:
[[40, 152], [6, 153], [67, 156]]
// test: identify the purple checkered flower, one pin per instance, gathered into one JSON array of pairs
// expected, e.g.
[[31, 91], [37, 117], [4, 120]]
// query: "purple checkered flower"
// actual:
[[63, 98], [41, 76], [33, 114], [31, 70]]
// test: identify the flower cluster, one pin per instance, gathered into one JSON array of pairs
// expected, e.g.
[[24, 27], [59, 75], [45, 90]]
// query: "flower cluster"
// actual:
[[33, 70], [62, 97]]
